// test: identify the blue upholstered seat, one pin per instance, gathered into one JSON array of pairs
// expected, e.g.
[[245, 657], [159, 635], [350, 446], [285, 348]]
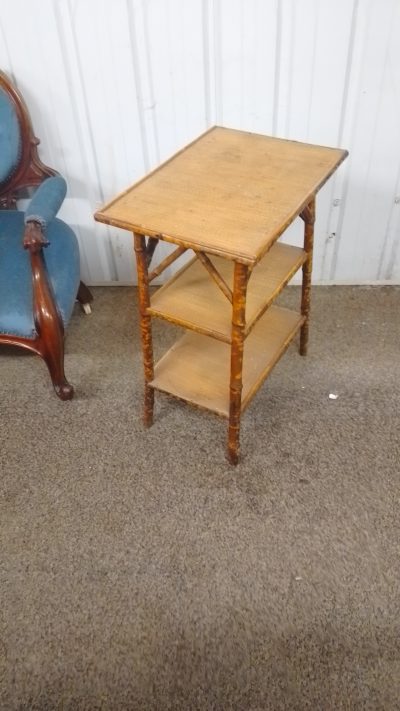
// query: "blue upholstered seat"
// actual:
[[62, 261]]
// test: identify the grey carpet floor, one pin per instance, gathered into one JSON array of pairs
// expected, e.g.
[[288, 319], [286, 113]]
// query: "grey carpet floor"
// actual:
[[140, 571]]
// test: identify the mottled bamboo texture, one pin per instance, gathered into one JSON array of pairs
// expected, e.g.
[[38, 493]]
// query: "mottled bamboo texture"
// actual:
[[308, 216], [145, 326], [240, 279]]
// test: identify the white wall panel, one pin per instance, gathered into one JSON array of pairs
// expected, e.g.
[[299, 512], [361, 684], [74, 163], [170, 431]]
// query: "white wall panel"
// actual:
[[246, 63], [372, 131], [116, 87]]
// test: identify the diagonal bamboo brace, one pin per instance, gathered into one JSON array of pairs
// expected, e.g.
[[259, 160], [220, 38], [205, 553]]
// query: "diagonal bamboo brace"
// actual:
[[214, 273], [166, 263]]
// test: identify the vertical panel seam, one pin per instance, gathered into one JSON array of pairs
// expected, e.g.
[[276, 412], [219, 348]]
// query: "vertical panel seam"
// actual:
[[312, 82], [150, 80], [64, 55], [278, 53], [343, 112], [138, 84], [3, 34], [349, 64], [368, 169], [293, 21], [344, 109], [206, 60], [385, 243], [386, 236], [393, 257], [84, 97], [218, 61]]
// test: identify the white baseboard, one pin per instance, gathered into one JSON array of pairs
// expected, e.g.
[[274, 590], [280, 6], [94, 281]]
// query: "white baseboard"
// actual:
[[337, 282]]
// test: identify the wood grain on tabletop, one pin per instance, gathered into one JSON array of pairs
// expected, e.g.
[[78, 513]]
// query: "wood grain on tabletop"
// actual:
[[229, 192]]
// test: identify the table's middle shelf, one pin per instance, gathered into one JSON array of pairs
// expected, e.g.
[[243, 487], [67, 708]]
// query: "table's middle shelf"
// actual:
[[192, 299]]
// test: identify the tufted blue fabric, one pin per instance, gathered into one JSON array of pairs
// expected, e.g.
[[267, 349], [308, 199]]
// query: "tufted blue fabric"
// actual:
[[10, 137], [62, 261], [46, 201]]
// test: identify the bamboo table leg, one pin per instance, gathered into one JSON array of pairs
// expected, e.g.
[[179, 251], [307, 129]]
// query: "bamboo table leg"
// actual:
[[241, 275], [145, 326], [308, 216]]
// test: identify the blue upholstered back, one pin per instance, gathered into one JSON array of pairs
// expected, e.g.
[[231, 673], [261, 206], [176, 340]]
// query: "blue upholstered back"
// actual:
[[10, 137]]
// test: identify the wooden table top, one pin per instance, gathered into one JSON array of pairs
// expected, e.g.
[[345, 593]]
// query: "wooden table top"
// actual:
[[230, 193]]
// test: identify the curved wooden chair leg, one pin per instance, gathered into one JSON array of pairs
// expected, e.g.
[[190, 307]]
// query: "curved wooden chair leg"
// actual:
[[49, 325], [85, 297], [54, 359]]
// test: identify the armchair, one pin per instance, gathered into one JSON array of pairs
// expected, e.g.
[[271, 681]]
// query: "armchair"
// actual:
[[39, 253]]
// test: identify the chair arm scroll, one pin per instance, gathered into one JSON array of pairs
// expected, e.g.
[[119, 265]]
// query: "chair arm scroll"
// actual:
[[34, 238], [47, 201]]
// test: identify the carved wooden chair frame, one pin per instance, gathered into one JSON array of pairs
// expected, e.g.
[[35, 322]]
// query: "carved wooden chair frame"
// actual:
[[48, 342]]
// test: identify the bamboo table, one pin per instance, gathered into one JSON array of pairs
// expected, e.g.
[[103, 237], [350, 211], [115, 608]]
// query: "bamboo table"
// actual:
[[227, 196]]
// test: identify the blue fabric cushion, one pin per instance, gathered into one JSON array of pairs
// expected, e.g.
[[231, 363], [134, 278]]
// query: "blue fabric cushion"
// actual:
[[62, 261], [46, 201], [10, 137]]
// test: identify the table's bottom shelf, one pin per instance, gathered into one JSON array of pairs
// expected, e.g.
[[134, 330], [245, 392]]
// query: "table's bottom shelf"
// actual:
[[196, 368]]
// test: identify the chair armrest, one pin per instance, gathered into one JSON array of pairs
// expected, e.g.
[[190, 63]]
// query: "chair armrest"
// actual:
[[46, 202], [34, 238]]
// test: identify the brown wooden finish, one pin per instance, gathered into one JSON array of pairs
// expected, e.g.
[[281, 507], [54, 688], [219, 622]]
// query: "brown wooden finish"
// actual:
[[145, 327], [308, 216], [29, 172], [170, 259], [186, 299], [49, 326], [84, 295], [215, 275], [240, 279], [34, 239], [230, 193], [48, 322], [49, 341]]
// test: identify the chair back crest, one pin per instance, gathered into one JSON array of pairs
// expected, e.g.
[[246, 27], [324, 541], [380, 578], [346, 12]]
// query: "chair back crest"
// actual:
[[20, 165]]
